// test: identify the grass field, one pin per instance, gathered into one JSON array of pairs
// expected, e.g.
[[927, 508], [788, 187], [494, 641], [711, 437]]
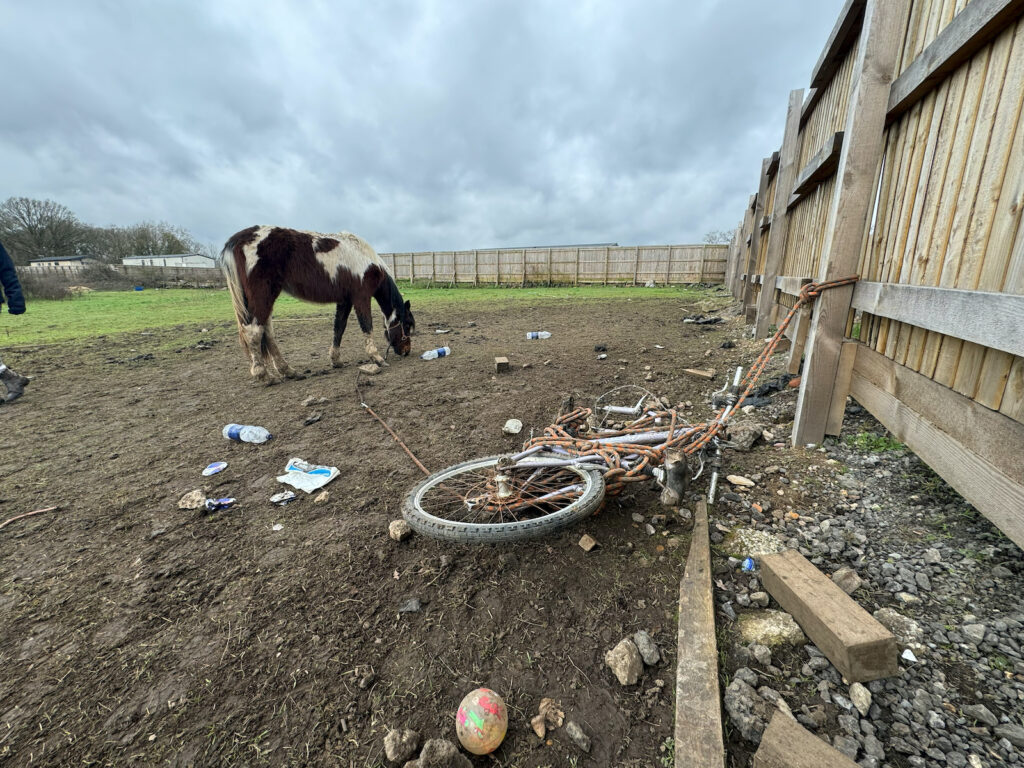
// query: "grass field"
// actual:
[[111, 312]]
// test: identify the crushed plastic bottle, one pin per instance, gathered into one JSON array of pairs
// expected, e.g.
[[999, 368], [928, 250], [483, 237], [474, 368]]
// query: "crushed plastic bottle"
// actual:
[[749, 564], [432, 354], [244, 433], [212, 505], [538, 335]]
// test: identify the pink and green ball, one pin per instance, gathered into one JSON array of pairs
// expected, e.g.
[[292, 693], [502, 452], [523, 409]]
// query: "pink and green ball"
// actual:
[[481, 721]]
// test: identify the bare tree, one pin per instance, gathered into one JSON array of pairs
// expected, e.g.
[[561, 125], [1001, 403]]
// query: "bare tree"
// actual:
[[717, 236], [35, 229], [112, 244]]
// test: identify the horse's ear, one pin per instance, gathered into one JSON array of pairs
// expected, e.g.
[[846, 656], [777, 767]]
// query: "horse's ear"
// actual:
[[407, 305]]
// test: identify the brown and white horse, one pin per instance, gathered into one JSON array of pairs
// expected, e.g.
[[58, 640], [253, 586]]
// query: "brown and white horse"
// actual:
[[341, 269]]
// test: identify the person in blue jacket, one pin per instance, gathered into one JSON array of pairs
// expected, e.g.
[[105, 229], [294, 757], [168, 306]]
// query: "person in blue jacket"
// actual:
[[14, 382]]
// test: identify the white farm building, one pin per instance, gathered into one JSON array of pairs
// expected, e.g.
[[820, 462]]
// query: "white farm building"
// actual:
[[170, 260]]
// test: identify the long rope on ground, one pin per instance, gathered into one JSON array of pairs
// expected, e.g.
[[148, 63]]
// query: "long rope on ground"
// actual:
[[26, 514]]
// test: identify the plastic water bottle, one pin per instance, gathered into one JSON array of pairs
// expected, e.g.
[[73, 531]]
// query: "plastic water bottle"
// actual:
[[243, 433], [538, 335], [435, 353]]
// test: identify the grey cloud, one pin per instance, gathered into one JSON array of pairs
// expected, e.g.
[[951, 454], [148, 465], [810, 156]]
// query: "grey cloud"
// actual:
[[419, 125]]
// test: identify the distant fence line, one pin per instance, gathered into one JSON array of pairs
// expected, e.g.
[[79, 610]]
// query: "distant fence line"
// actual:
[[605, 265]]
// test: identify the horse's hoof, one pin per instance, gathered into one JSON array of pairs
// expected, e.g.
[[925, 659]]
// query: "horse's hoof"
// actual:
[[272, 380], [381, 362], [337, 364]]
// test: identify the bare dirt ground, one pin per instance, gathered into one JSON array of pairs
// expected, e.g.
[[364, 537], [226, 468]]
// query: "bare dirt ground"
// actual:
[[136, 633]]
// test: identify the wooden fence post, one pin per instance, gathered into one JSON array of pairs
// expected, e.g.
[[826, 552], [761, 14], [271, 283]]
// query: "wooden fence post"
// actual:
[[741, 256], [788, 158], [668, 267], [606, 255], [476, 267], [636, 263], [576, 279], [755, 240], [703, 251], [863, 144], [549, 267]]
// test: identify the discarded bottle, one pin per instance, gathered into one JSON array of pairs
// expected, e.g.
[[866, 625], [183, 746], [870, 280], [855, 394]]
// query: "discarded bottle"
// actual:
[[435, 353], [749, 565], [538, 335], [243, 433], [212, 505]]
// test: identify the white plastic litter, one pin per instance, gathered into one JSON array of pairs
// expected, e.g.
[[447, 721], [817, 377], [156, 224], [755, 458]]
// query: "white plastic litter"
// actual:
[[305, 476], [909, 655], [278, 527]]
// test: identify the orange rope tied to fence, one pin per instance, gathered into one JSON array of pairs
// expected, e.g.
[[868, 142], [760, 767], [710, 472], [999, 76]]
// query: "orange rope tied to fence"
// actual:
[[564, 433]]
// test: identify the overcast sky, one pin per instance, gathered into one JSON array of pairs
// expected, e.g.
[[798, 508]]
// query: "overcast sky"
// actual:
[[426, 125]]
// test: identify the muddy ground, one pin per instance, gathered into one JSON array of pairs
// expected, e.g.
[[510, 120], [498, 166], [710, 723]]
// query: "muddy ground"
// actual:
[[135, 633]]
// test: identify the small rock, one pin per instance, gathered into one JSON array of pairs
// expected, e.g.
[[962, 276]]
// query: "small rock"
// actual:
[[579, 738], [861, 698], [981, 713], [999, 572], [649, 529], [771, 628], [760, 599], [625, 661], [441, 753], [932, 556], [539, 726], [1012, 732], [313, 418], [907, 631], [975, 633], [400, 746], [587, 543], [761, 654], [648, 649], [192, 500], [399, 530], [740, 481], [370, 369], [551, 712], [744, 434], [847, 580], [322, 497]]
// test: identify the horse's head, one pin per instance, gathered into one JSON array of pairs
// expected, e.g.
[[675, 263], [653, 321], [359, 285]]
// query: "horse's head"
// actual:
[[401, 329]]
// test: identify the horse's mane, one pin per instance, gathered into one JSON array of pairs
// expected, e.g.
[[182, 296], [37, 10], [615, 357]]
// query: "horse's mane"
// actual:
[[397, 302]]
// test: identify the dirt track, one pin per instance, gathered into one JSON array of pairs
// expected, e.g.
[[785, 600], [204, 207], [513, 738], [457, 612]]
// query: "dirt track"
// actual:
[[132, 632]]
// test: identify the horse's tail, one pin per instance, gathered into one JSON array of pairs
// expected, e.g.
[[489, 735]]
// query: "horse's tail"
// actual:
[[228, 263]]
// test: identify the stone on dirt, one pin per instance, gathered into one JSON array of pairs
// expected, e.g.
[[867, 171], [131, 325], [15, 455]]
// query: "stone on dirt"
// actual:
[[399, 530], [580, 739], [771, 628], [744, 434], [625, 661], [740, 480], [750, 542], [1012, 732], [981, 713], [648, 649], [400, 746], [907, 631], [847, 580], [861, 698], [322, 497], [441, 753], [748, 712], [192, 500], [551, 712], [539, 726], [370, 369], [587, 542]]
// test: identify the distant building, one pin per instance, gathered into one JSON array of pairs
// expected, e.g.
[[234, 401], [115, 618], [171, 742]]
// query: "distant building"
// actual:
[[170, 260], [63, 261]]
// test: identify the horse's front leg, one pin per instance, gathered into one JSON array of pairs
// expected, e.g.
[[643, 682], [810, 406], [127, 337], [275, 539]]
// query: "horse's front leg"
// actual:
[[365, 318], [340, 321]]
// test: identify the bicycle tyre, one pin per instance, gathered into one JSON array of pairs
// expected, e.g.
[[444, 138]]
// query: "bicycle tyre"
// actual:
[[497, 533]]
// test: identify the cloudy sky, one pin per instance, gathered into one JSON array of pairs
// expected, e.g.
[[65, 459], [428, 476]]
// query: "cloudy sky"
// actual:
[[426, 125]]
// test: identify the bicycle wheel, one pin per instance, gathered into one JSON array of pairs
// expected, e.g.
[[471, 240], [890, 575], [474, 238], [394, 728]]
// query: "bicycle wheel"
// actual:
[[488, 501]]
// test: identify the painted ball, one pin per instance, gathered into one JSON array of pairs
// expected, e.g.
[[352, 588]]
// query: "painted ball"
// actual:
[[481, 721]]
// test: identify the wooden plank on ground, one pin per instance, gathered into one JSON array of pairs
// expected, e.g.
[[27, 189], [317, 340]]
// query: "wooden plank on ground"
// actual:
[[852, 639], [975, 26], [787, 744], [698, 727]]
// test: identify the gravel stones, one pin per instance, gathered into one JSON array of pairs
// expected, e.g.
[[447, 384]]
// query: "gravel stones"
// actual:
[[648, 649], [770, 628], [400, 746]]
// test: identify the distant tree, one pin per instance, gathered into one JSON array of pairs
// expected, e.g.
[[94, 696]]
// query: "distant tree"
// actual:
[[112, 244], [36, 229], [716, 236]]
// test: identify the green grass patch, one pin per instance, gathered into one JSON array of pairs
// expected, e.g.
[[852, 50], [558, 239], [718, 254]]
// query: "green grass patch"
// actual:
[[103, 313], [873, 443]]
